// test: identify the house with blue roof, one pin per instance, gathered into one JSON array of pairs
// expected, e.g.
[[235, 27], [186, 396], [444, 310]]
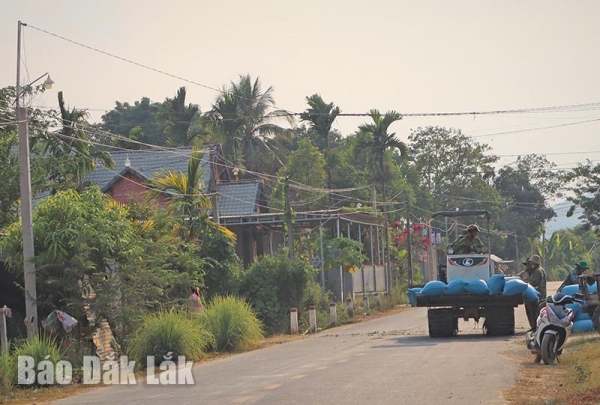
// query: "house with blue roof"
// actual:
[[234, 198]]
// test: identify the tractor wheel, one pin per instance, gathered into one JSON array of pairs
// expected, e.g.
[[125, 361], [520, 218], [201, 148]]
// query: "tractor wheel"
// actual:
[[500, 321], [441, 322]]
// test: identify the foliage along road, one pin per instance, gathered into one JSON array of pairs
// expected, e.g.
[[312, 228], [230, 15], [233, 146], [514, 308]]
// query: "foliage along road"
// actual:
[[389, 360]]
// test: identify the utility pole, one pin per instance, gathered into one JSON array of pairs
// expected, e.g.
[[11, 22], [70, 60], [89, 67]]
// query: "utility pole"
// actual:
[[409, 242], [26, 205], [214, 197], [288, 216], [517, 249]]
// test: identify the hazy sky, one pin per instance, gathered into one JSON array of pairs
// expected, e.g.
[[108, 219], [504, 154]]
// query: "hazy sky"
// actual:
[[411, 56]]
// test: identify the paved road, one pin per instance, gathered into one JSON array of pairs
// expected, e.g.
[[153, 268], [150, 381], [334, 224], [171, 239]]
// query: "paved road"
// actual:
[[390, 360]]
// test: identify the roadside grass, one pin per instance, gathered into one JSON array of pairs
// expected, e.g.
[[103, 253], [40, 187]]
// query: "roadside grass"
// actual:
[[169, 334], [233, 324], [39, 395], [573, 381]]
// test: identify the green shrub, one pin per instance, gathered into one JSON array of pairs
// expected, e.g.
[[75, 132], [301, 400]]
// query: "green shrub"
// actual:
[[233, 324], [273, 285], [169, 334], [8, 373], [41, 348]]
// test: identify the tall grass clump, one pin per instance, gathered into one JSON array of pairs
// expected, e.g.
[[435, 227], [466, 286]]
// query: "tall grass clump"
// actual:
[[41, 348], [233, 324], [8, 373], [169, 334]]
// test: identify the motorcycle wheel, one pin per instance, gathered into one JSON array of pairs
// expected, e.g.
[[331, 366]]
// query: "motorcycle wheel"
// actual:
[[547, 349]]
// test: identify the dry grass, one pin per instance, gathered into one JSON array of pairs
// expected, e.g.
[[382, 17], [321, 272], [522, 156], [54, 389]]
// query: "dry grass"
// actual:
[[574, 381]]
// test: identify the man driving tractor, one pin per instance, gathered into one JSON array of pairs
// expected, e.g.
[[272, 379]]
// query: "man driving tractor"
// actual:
[[469, 243]]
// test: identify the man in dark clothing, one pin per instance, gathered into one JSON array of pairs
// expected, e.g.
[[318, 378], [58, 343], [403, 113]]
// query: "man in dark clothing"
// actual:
[[535, 275], [573, 276]]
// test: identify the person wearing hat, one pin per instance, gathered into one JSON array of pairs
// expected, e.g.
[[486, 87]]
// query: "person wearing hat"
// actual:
[[573, 276], [469, 243], [535, 275]]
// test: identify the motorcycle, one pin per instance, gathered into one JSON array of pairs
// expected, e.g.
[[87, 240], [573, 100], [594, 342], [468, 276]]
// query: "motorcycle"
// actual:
[[554, 325]]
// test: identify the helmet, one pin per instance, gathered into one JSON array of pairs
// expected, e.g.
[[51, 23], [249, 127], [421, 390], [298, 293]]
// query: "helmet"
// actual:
[[472, 227]]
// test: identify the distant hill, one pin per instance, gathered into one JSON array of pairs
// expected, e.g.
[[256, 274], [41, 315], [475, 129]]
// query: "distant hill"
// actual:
[[561, 221]]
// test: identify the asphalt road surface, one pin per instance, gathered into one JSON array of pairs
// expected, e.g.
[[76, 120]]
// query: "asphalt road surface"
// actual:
[[389, 360]]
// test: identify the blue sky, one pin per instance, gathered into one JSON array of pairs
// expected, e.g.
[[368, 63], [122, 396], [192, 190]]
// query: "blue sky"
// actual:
[[410, 56]]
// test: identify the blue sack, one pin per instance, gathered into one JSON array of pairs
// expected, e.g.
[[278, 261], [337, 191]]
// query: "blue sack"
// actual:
[[477, 287], [412, 295], [575, 307], [531, 294], [434, 288], [570, 289], [514, 287], [582, 316], [496, 284], [585, 325], [455, 287]]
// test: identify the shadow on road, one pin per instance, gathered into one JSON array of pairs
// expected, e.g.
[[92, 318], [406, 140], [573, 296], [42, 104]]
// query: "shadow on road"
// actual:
[[427, 341]]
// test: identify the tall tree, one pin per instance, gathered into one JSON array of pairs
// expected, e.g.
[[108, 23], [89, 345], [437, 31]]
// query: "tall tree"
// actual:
[[69, 153], [241, 117], [585, 184], [378, 141], [450, 163], [177, 118], [124, 118], [305, 170], [525, 210], [321, 117]]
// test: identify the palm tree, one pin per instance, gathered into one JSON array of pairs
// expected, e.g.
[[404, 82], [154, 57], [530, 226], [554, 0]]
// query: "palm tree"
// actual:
[[241, 117], [186, 190], [178, 118], [321, 116], [70, 153], [379, 141]]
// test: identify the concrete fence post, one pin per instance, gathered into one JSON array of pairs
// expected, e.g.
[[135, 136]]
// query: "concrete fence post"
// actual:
[[333, 314], [293, 320], [350, 307], [312, 319], [4, 311]]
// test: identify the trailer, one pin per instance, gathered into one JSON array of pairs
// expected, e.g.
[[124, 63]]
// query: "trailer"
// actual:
[[445, 310]]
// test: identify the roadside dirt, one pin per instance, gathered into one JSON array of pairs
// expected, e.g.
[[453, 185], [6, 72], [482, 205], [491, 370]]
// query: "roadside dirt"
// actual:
[[539, 384]]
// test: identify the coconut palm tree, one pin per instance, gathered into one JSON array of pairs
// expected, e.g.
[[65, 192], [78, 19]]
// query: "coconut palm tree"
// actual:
[[241, 117], [321, 116], [186, 192]]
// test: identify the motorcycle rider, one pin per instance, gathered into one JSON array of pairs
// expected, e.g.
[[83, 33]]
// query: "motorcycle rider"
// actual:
[[470, 243], [535, 275], [573, 276]]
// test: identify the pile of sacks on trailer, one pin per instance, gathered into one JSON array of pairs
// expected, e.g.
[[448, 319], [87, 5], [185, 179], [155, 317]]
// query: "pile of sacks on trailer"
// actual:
[[582, 322], [498, 284]]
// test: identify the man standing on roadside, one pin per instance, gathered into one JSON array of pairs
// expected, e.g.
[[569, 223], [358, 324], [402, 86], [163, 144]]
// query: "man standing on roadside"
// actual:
[[535, 275]]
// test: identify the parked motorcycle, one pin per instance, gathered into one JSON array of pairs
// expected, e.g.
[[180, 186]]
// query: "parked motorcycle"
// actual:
[[554, 325]]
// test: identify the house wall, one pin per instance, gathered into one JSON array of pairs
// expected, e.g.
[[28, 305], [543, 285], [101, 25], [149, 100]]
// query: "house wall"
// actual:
[[131, 188]]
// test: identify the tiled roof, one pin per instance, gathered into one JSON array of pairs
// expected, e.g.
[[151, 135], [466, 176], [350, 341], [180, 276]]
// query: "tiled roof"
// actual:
[[149, 163], [239, 198], [236, 198]]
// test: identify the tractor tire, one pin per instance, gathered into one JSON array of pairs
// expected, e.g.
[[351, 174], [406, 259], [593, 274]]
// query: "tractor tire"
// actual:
[[441, 322], [500, 321]]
